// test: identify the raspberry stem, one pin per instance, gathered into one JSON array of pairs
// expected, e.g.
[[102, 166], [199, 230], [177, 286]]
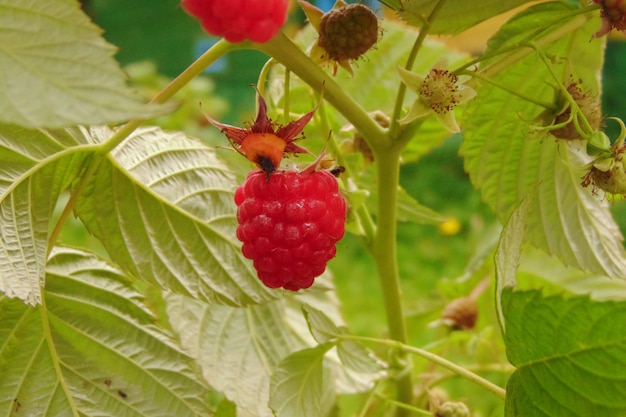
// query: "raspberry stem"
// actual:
[[385, 253], [461, 371], [293, 58], [362, 213], [196, 68]]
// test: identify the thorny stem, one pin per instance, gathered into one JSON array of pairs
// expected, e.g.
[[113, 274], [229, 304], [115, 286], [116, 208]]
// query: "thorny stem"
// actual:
[[397, 110]]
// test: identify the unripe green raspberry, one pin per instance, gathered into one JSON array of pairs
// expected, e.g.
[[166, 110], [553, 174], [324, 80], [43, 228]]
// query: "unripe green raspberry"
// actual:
[[612, 181], [608, 173], [348, 32]]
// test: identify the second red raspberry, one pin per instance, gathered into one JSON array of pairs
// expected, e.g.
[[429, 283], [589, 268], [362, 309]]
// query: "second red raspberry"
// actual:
[[289, 225], [238, 20]]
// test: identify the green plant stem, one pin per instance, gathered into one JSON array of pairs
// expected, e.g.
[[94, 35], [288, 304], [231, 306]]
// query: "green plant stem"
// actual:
[[264, 75], [294, 59], [575, 110], [69, 206], [414, 410], [196, 68], [457, 369], [385, 253], [522, 49], [512, 91], [510, 48]]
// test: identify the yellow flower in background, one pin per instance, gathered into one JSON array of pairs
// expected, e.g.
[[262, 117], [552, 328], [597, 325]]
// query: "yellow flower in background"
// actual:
[[450, 227]]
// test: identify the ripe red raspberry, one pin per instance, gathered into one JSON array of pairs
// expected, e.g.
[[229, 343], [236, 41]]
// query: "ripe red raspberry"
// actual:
[[289, 223], [238, 20]]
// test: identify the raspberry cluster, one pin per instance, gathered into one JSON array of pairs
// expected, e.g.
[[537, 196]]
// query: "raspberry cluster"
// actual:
[[238, 20], [289, 223]]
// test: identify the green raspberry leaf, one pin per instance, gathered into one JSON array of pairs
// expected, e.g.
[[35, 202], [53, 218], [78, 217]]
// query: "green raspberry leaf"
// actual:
[[93, 349], [508, 160], [351, 354], [237, 348], [456, 15], [392, 4], [322, 327], [35, 167], [162, 205], [509, 252], [302, 386], [569, 355], [57, 71]]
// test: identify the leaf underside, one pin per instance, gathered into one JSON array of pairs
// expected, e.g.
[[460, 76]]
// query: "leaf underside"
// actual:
[[507, 161], [36, 166], [162, 205], [93, 349], [56, 70], [456, 15]]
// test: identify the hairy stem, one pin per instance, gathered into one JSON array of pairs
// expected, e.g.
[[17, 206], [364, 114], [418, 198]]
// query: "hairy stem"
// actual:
[[294, 59], [385, 252], [457, 369]]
